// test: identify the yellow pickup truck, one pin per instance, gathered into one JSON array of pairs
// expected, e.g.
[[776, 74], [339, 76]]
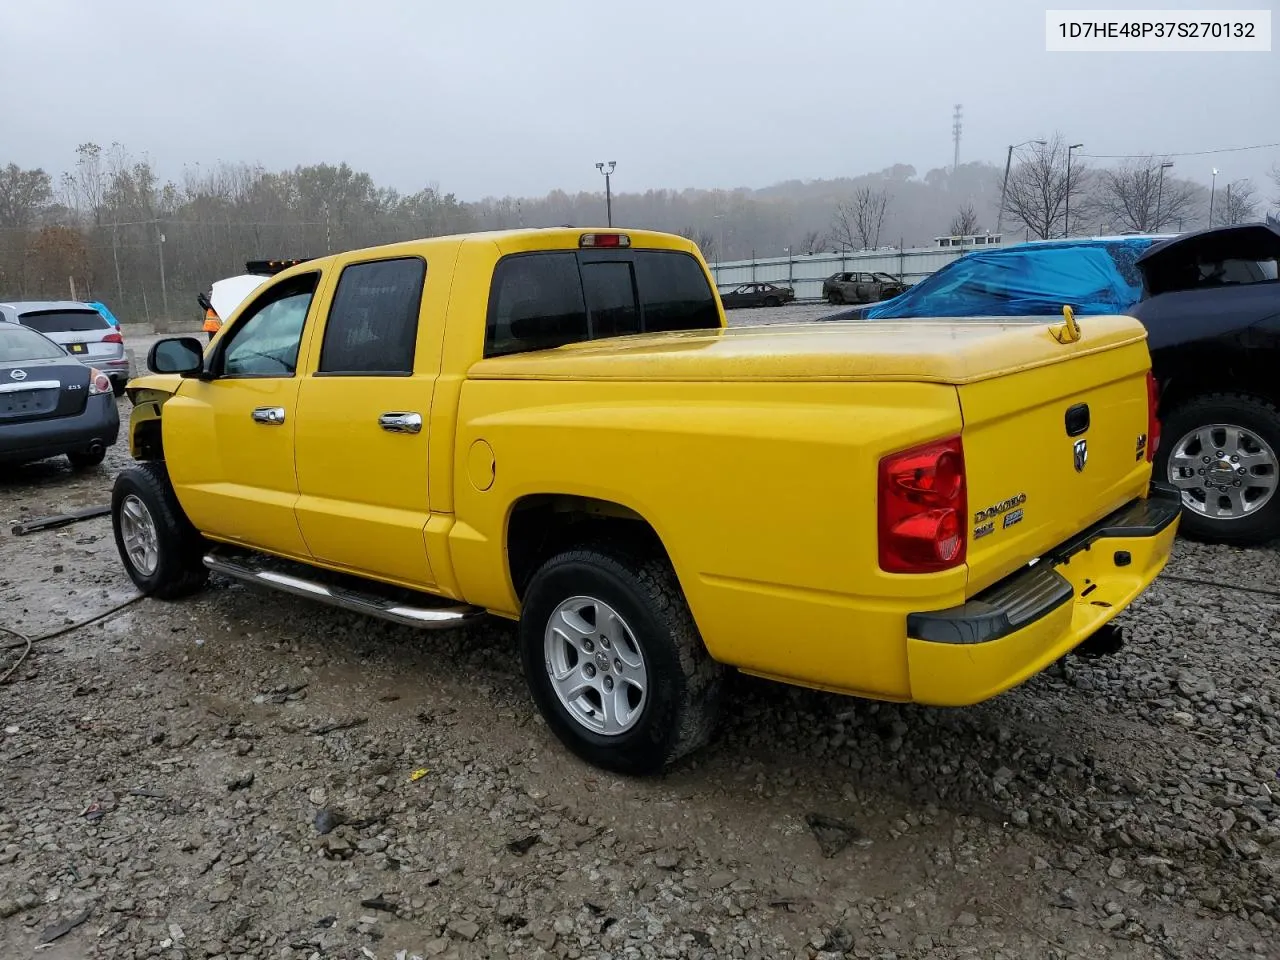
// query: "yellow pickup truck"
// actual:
[[557, 427]]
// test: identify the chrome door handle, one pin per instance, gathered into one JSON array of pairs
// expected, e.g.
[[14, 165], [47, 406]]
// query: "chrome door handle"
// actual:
[[401, 422], [272, 416]]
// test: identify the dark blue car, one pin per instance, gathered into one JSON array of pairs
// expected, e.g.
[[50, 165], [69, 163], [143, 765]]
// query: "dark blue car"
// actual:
[[51, 403], [1210, 301]]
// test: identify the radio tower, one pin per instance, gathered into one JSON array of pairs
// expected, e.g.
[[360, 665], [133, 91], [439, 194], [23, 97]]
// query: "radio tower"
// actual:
[[955, 135]]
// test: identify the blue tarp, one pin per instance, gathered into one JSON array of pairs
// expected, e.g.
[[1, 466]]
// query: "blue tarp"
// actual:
[[1092, 276], [106, 314]]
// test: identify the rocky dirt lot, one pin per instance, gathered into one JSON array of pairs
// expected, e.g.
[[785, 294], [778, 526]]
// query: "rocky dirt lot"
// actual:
[[250, 775]]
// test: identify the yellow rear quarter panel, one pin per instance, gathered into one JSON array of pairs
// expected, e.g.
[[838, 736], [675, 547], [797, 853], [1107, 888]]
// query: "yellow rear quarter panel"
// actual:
[[763, 493]]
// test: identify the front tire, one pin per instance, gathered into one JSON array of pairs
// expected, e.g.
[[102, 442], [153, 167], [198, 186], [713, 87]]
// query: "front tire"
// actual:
[[614, 661], [1223, 452], [161, 551], [835, 298]]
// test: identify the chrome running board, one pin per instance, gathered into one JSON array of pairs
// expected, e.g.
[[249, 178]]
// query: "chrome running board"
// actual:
[[424, 618]]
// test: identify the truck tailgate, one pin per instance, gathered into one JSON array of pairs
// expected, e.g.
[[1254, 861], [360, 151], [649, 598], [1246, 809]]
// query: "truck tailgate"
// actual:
[[1049, 451]]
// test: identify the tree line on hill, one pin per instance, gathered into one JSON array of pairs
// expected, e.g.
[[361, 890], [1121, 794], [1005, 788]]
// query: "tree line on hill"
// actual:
[[111, 228]]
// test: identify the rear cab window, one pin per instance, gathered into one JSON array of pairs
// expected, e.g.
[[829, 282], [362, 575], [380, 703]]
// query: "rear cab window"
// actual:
[[63, 321], [548, 299]]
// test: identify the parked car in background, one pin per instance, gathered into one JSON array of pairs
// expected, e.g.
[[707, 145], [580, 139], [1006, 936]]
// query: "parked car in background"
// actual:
[[1210, 301], [757, 295], [50, 403], [860, 287], [80, 329]]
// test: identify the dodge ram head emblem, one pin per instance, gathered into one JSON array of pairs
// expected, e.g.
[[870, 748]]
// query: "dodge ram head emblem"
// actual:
[[1081, 450], [19, 374]]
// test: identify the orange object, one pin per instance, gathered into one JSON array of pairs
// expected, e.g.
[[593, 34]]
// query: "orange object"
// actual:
[[212, 324]]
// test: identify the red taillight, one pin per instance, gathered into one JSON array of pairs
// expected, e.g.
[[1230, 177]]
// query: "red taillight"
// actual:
[[99, 382], [114, 337], [1153, 422], [604, 240], [923, 508]]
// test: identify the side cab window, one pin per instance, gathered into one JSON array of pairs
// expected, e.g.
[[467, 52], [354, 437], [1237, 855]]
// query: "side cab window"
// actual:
[[267, 336], [372, 328]]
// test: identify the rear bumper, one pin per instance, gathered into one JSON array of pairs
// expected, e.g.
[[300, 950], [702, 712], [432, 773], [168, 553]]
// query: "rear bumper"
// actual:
[[1017, 627], [98, 424]]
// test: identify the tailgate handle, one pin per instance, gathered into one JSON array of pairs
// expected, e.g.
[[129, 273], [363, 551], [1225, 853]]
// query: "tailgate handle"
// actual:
[[1077, 419]]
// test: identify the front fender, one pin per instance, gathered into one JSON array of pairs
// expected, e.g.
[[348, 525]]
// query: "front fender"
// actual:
[[148, 395]]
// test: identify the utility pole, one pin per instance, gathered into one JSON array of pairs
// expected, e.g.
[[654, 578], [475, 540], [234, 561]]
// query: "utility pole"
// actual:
[[1231, 218], [1160, 192], [1066, 230], [1212, 190], [164, 290], [1008, 161], [608, 195], [956, 125], [115, 256]]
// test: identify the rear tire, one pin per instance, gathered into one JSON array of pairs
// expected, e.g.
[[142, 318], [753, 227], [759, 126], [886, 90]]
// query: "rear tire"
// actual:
[[117, 387], [772, 302], [87, 460], [1186, 437], [161, 551], [585, 602]]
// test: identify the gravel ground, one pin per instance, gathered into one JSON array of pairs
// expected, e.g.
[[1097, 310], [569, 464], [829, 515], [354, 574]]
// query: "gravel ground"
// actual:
[[244, 774]]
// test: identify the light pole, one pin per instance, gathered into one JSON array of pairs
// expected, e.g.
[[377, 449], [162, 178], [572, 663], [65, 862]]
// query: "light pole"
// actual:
[[1160, 192], [1004, 189], [608, 196], [1212, 189], [1066, 229], [720, 254]]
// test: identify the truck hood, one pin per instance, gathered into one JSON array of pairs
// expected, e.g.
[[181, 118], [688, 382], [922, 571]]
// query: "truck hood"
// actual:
[[938, 351]]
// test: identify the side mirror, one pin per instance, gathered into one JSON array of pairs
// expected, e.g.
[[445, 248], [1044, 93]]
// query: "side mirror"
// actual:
[[184, 355]]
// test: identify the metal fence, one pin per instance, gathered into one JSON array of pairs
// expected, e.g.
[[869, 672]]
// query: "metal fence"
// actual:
[[804, 274]]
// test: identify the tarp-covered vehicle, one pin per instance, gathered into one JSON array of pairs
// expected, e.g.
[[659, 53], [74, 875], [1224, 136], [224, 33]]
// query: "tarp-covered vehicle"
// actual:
[[1210, 302]]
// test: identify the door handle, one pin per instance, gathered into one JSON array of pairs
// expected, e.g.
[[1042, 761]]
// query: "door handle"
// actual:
[[401, 422], [272, 416]]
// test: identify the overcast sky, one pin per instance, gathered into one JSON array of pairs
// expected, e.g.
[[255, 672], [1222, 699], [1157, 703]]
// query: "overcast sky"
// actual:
[[495, 98]]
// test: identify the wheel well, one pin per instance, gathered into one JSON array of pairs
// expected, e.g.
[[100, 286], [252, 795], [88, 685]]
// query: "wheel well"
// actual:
[[148, 440], [1178, 390], [546, 524]]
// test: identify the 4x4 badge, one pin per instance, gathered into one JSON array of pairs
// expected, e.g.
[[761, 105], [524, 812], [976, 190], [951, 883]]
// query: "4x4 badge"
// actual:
[[1081, 451]]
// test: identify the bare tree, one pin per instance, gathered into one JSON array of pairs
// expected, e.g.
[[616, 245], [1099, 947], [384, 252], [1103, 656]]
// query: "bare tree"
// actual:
[[812, 242], [1239, 205], [23, 194], [705, 240], [1134, 196], [1038, 189], [857, 224], [86, 186], [965, 222]]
